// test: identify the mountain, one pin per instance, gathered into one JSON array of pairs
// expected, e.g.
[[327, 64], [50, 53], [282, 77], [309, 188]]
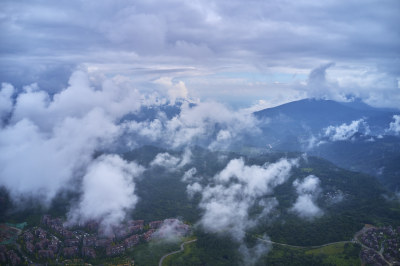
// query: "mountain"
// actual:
[[378, 156], [301, 126], [312, 115]]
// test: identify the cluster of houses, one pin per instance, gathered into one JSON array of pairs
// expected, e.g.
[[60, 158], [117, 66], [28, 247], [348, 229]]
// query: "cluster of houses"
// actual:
[[370, 257], [9, 256], [53, 241], [383, 240]]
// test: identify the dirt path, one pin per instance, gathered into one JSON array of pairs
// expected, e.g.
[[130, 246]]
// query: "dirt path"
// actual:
[[287, 245], [355, 239], [177, 251]]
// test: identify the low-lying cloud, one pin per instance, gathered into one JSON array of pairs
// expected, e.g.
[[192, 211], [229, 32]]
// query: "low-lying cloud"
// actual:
[[170, 162], [108, 183], [307, 190], [333, 133], [236, 189], [346, 131], [394, 127], [48, 142], [171, 230], [206, 123]]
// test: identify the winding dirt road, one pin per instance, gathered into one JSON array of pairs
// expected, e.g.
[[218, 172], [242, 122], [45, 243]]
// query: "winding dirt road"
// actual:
[[355, 239], [177, 251]]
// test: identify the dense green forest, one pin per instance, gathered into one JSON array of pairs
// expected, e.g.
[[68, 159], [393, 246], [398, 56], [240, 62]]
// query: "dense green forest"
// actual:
[[163, 195]]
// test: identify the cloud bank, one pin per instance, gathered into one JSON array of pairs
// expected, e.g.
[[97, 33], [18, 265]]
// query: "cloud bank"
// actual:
[[48, 142], [206, 123]]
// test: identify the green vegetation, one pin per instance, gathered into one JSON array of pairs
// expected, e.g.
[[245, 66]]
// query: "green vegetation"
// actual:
[[209, 249], [341, 254], [150, 253], [163, 195]]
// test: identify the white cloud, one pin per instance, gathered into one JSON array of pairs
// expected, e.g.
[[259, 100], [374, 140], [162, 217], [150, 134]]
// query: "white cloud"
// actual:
[[75, 101], [170, 162], [186, 157], [237, 188], [108, 192], [34, 162], [165, 160], [206, 123], [193, 188], [305, 206], [48, 144], [309, 184], [395, 125], [346, 131], [223, 135], [171, 230], [176, 90], [308, 190], [189, 175]]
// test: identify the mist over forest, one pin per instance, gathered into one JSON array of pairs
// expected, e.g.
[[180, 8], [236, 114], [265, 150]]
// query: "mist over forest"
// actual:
[[260, 133]]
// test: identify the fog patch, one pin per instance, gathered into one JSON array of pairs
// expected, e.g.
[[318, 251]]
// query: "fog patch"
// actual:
[[171, 230], [208, 124]]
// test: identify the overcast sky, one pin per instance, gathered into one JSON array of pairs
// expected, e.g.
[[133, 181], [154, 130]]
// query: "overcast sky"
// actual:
[[235, 51]]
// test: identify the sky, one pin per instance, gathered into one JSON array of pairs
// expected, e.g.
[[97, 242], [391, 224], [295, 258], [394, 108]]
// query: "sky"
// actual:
[[241, 53]]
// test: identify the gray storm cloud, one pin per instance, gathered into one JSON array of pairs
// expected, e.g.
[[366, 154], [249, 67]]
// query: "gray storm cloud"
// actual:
[[199, 42]]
